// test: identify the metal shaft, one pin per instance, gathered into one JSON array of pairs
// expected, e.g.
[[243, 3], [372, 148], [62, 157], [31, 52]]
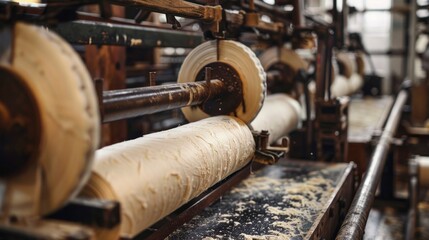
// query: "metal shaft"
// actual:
[[128, 103], [354, 224]]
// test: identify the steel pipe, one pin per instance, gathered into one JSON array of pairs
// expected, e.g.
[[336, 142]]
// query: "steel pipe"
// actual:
[[354, 224], [133, 102]]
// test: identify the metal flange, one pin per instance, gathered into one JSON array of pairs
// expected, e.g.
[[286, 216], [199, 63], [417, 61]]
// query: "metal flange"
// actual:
[[20, 125]]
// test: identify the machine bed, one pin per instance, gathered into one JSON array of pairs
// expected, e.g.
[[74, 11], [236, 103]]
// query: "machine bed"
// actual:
[[289, 200]]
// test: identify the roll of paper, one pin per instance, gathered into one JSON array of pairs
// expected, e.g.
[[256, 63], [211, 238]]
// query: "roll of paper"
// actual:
[[154, 175], [280, 114]]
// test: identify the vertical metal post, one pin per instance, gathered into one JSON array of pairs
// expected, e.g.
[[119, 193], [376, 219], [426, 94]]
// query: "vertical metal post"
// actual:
[[412, 42], [325, 43], [413, 186]]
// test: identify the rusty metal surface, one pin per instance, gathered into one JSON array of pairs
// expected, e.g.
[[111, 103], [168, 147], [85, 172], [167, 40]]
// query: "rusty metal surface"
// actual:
[[219, 92], [289, 200], [355, 221], [227, 101], [331, 126], [281, 78], [367, 117], [127, 103], [325, 44], [20, 123]]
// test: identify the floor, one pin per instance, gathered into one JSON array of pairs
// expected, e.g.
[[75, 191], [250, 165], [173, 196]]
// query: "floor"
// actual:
[[389, 224]]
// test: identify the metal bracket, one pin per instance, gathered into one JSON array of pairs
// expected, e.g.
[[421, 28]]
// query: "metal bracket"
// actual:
[[254, 20], [266, 154], [90, 212], [171, 19]]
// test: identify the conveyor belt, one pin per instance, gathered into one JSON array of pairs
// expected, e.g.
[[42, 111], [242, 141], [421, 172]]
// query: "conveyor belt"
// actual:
[[285, 201]]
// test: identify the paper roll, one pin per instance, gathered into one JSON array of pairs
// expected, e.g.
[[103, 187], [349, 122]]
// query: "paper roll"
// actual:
[[280, 114], [349, 79], [70, 121], [153, 175], [340, 87], [356, 83]]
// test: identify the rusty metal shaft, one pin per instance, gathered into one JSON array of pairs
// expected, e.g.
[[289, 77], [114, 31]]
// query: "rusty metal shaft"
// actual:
[[354, 224], [133, 102]]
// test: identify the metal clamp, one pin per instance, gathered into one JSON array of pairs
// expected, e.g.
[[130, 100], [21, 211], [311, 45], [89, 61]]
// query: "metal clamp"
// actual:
[[266, 154]]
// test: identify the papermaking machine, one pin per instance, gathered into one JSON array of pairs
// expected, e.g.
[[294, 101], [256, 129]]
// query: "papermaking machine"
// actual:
[[258, 81]]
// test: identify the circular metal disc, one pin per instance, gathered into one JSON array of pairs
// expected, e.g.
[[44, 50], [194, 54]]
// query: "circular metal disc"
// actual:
[[20, 125]]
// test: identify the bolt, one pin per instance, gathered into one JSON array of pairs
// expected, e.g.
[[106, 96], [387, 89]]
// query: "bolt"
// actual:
[[152, 79], [208, 74]]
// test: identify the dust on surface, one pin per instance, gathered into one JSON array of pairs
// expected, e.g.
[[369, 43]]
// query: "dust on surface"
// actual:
[[277, 202]]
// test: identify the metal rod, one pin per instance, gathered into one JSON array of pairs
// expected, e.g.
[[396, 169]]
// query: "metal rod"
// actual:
[[353, 226], [128, 103]]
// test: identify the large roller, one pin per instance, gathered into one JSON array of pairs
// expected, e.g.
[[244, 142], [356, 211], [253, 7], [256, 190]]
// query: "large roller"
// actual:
[[279, 115], [349, 74], [50, 121], [153, 175], [286, 62], [229, 60]]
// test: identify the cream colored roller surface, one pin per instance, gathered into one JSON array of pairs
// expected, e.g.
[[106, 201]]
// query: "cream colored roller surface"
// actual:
[[348, 78], [279, 115], [423, 163], [65, 97], [286, 56], [340, 87], [239, 57], [153, 175]]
